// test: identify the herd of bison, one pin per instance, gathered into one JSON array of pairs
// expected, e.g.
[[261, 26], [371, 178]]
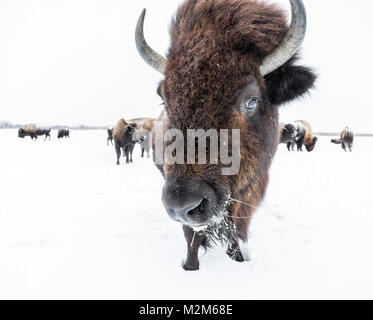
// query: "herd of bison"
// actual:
[[126, 134]]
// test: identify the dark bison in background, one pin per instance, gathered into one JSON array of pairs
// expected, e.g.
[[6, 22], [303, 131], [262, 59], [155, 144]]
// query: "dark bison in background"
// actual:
[[230, 65], [288, 134], [42, 132], [346, 140], [125, 137], [110, 136], [63, 133]]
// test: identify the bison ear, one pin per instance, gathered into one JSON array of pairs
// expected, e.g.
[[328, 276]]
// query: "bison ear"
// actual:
[[289, 82]]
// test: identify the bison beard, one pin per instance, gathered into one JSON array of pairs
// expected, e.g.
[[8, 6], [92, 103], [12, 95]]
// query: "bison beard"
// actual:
[[222, 54]]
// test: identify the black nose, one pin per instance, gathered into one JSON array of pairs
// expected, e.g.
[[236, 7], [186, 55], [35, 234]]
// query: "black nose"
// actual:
[[188, 201]]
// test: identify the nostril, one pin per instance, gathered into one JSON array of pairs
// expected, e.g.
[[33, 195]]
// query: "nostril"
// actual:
[[199, 209], [203, 205]]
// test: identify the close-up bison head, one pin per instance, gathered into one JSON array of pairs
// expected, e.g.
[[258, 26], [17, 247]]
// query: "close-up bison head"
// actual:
[[230, 65]]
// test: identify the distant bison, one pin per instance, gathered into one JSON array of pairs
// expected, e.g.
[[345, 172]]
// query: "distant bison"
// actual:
[[128, 149], [63, 133], [144, 127], [298, 133], [305, 136], [42, 132], [125, 136], [28, 131], [346, 140], [110, 136], [288, 134]]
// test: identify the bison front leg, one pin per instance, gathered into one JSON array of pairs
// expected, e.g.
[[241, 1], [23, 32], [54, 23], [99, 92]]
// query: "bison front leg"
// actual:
[[117, 150], [131, 154], [289, 146], [300, 143], [234, 251], [344, 147], [127, 154], [194, 242]]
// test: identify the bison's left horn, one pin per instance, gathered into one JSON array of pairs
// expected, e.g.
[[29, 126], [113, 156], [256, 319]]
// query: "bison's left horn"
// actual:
[[152, 58], [292, 41]]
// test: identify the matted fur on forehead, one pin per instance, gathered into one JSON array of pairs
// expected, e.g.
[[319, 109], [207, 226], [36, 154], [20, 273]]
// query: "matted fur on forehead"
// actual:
[[217, 47], [248, 26]]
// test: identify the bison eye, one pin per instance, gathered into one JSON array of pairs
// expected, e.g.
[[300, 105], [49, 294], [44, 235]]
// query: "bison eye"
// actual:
[[250, 104]]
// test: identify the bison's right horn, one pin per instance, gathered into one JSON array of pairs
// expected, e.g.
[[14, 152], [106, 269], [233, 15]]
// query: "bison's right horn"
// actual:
[[152, 58]]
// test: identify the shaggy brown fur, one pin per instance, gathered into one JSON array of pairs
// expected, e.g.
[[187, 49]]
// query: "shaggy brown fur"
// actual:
[[216, 50], [346, 140]]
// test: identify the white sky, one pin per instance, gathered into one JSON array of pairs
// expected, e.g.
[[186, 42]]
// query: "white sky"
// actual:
[[75, 61]]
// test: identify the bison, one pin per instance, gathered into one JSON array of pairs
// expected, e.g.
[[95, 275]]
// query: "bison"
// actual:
[[346, 140], [110, 136], [28, 131], [42, 132], [298, 133], [288, 135], [230, 65], [144, 126], [125, 137], [63, 133], [304, 136]]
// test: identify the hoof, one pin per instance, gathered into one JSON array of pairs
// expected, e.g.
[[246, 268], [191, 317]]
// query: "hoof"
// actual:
[[188, 267], [235, 254]]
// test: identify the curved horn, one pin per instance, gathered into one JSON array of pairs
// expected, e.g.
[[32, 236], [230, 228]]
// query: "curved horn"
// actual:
[[292, 41], [152, 58]]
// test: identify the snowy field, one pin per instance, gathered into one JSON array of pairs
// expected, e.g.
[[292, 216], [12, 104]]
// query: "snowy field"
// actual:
[[74, 225]]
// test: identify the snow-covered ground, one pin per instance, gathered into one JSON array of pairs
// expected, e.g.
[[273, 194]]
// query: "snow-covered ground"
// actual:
[[74, 225]]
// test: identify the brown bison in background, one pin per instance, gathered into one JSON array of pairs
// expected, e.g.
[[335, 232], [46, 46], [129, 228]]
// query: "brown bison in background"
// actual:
[[33, 132], [230, 65], [144, 127], [125, 138], [346, 140], [298, 133], [28, 131], [309, 140]]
